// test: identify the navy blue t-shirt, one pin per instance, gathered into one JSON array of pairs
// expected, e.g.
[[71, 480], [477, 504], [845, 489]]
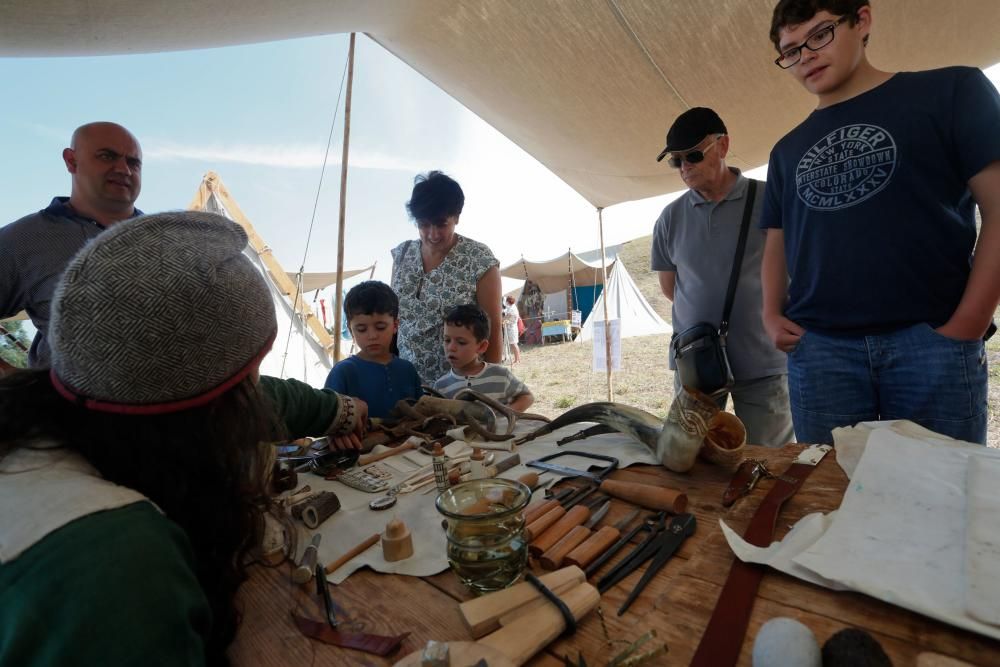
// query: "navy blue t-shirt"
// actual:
[[381, 386], [872, 195]]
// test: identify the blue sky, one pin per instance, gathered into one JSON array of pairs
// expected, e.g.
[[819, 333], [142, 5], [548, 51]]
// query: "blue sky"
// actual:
[[260, 115]]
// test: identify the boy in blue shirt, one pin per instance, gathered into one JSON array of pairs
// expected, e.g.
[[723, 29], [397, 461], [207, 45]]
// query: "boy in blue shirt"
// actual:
[[374, 374], [870, 281]]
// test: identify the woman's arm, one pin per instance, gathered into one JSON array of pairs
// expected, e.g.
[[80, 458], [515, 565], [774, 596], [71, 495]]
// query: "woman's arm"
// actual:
[[488, 297]]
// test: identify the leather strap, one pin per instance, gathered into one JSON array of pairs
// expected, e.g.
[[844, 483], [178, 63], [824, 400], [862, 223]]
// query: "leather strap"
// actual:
[[734, 274], [723, 638], [361, 641]]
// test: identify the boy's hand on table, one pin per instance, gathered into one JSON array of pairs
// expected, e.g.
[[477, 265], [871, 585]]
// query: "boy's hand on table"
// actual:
[[783, 332]]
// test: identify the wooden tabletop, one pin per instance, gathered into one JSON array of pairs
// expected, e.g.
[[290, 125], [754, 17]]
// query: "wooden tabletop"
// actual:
[[677, 603]]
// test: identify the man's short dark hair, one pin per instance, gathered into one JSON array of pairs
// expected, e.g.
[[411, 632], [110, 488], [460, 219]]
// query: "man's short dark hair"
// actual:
[[472, 317], [371, 298], [435, 197], [794, 12]]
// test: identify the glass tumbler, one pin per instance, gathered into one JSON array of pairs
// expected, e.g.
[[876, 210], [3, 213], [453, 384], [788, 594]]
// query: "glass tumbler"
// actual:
[[485, 525]]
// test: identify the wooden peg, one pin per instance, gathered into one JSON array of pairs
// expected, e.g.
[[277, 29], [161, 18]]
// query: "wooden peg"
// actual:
[[397, 543]]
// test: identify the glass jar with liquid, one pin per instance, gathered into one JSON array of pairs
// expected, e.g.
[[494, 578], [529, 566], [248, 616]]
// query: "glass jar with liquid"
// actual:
[[485, 526]]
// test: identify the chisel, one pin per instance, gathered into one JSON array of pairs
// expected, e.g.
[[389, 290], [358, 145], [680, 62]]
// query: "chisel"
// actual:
[[547, 520], [572, 518], [553, 558], [598, 542]]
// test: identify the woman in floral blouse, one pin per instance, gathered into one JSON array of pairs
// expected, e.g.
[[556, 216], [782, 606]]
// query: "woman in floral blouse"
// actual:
[[439, 271]]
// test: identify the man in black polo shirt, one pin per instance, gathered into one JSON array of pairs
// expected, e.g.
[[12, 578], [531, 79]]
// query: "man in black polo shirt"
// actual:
[[105, 161]]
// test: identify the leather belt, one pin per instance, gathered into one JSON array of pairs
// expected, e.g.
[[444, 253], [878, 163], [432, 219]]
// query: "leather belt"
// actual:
[[723, 638]]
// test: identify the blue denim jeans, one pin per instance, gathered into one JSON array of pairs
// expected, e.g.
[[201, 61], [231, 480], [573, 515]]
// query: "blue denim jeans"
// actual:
[[914, 373]]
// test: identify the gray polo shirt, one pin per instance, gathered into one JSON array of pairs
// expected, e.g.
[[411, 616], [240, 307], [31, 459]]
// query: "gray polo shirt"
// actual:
[[34, 251], [697, 238]]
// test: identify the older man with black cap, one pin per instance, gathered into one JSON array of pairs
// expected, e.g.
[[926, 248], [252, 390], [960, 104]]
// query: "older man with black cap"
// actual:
[[695, 243]]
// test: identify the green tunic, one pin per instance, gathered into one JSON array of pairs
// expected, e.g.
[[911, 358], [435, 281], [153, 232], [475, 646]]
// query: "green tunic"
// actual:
[[112, 588], [305, 410]]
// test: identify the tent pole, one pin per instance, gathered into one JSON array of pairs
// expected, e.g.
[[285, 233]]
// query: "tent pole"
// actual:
[[607, 323], [339, 309]]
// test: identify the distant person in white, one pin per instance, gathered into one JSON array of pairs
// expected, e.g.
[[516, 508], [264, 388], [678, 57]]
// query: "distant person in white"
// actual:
[[466, 332]]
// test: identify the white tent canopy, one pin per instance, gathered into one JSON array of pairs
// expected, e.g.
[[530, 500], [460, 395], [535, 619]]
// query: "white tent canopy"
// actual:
[[301, 346], [314, 281], [552, 275], [587, 87], [626, 304]]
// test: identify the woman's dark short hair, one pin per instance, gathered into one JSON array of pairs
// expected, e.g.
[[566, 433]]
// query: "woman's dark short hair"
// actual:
[[472, 317], [371, 298], [435, 197], [794, 12]]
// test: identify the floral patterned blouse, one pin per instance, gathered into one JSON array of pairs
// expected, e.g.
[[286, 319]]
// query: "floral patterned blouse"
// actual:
[[425, 298]]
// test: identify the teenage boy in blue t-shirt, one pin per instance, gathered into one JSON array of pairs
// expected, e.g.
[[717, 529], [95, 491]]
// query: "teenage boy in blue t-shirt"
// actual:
[[870, 281], [374, 374]]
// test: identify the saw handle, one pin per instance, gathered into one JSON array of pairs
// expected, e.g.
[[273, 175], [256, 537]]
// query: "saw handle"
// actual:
[[647, 495]]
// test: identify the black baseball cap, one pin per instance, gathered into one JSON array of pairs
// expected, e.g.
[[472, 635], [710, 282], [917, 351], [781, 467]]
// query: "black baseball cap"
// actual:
[[690, 128]]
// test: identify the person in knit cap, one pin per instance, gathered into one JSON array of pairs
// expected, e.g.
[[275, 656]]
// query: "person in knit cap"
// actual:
[[133, 472]]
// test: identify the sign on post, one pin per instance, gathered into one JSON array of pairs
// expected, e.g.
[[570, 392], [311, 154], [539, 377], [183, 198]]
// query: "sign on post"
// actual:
[[600, 349]]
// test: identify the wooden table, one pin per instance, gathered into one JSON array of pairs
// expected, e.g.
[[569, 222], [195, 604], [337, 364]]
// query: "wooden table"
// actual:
[[677, 604]]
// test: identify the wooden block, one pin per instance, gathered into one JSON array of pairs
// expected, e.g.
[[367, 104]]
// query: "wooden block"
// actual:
[[482, 614], [533, 631]]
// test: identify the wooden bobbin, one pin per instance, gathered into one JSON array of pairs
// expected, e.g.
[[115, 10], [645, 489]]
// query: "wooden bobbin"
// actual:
[[317, 509], [397, 543]]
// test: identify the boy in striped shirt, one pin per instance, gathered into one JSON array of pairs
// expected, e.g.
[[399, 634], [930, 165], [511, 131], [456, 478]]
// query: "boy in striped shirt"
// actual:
[[466, 337]]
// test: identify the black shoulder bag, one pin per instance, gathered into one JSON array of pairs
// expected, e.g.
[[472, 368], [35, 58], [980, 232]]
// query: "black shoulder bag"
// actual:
[[700, 350]]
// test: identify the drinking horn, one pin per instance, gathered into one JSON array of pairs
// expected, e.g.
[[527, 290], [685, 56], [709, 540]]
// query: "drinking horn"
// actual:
[[675, 441]]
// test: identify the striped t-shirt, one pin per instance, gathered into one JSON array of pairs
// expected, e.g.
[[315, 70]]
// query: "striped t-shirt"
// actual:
[[494, 380]]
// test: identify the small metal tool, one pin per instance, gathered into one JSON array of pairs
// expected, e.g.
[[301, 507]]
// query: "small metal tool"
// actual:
[[681, 526]]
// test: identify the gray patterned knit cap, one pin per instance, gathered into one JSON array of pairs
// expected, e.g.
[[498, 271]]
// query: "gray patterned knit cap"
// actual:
[[159, 313]]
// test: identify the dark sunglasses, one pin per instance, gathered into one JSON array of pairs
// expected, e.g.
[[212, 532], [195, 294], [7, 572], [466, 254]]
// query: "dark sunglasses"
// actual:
[[691, 157]]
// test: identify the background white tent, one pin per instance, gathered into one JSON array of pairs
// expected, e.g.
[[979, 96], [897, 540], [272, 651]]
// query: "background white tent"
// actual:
[[626, 304]]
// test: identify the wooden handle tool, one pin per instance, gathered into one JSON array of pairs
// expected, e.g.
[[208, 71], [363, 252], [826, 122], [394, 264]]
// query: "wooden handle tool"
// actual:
[[598, 542], [372, 458], [573, 518], [483, 615], [647, 495], [539, 509], [554, 557], [543, 523], [303, 574], [364, 546]]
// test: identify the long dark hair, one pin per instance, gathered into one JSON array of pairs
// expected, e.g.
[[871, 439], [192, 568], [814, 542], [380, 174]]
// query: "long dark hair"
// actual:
[[206, 468]]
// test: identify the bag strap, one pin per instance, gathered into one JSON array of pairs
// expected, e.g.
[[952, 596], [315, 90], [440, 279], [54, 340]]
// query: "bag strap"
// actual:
[[741, 245], [397, 266]]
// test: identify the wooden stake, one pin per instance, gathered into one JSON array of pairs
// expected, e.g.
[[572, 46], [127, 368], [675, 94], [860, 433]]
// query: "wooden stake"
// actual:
[[339, 311], [361, 548], [604, 300]]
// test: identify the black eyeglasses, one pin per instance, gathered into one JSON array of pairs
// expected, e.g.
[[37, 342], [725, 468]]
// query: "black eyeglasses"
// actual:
[[691, 157], [814, 42]]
